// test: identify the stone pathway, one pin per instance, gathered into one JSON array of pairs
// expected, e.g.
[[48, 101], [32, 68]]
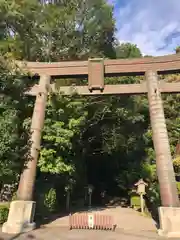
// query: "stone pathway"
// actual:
[[125, 218], [130, 226]]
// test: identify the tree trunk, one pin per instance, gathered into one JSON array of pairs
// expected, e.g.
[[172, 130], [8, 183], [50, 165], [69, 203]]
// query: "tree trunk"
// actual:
[[165, 171], [27, 179]]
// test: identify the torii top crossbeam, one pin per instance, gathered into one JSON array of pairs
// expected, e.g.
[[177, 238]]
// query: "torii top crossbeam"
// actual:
[[164, 64], [97, 69]]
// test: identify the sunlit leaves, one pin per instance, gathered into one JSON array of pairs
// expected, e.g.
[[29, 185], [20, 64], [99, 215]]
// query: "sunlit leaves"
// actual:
[[14, 109], [65, 117], [60, 31], [49, 162]]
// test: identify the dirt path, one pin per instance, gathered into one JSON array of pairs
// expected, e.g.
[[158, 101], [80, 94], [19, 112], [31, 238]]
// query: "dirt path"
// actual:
[[125, 218], [130, 226]]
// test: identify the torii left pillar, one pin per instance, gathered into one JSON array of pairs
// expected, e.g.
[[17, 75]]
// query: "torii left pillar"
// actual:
[[21, 213]]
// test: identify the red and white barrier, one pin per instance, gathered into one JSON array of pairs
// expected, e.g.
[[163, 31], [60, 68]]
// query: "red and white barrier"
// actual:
[[91, 221]]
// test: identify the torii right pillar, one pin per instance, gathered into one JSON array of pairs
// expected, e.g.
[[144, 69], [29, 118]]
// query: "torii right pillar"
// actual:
[[169, 212]]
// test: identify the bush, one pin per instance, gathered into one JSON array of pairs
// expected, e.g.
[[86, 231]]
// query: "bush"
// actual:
[[46, 202], [153, 195], [50, 200], [4, 210]]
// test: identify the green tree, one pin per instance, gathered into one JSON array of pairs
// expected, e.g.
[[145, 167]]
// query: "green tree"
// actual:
[[66, 30], [128, 50], [15, 109]]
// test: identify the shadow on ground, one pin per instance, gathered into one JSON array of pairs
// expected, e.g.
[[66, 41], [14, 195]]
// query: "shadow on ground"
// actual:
[[16, 237], [48, 219], [153, 211]]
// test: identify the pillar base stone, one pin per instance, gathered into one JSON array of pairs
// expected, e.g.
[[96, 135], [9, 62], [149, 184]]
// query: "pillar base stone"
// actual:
[[169, 222], [20, 218]]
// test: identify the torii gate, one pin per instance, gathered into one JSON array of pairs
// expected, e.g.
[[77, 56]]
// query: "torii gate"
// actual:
[[21, 214]]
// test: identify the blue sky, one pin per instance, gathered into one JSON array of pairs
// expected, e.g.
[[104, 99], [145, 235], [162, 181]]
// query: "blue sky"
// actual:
[[154, 25]]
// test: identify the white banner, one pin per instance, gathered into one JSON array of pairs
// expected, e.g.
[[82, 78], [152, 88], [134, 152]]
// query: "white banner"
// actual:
[[90, 220]]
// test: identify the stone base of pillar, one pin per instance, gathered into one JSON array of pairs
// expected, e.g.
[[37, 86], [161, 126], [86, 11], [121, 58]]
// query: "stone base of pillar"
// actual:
[[20, 218], [169, 222]]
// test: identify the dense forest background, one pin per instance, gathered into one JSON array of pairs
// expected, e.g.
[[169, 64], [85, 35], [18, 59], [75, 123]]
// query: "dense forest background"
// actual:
[[103, 141]]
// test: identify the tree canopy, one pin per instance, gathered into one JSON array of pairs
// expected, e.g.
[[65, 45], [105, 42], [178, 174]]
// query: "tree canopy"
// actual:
[[128, 50], [15, 111], [65, 30]]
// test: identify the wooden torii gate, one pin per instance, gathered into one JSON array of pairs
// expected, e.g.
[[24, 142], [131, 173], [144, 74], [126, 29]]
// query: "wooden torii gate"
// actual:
[[21, 214]]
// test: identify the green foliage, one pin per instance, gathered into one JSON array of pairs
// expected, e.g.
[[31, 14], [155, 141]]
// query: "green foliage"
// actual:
[[52, 32], [50, 200], [4, 210], [63, 123], [15, 107], [128, 50], [154, 194], [176, 164], [80, 130], [47, 32], [46, 199]]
